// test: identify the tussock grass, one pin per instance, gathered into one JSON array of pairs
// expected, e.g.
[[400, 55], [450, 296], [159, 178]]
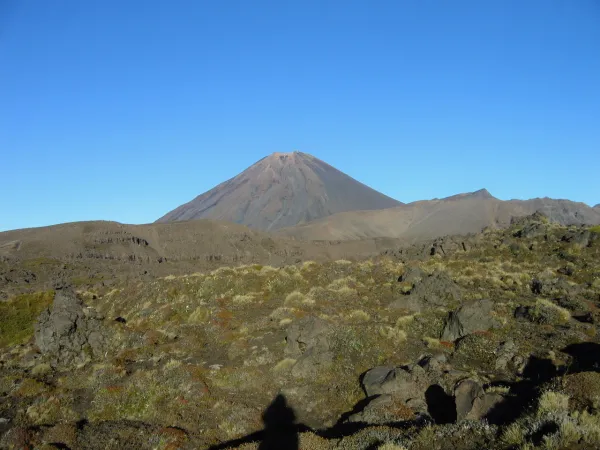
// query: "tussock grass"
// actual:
[[358, 316], [394, 334], [405, 321], [552, 403]]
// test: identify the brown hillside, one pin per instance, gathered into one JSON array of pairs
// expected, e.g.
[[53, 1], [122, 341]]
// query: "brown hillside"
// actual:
[[459, 214]]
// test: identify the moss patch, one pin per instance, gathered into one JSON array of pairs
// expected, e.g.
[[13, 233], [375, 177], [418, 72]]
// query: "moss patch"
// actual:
[[19, 315]]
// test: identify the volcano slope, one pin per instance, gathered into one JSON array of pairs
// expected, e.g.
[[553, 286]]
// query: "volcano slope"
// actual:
[[282, 190], [489, 343]]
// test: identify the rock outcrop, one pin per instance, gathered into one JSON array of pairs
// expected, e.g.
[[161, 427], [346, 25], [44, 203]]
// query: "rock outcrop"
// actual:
[[422, 291], [308, 343], [68, 333]]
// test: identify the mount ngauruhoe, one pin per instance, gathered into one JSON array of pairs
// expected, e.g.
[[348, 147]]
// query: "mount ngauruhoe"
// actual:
[[302, 197], [282, 190]]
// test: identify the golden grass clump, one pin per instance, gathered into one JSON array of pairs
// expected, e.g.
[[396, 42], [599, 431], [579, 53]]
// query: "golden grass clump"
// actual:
[[358, 316], [404, 321], [552, 402], [392, 333], [243, 299], [297, 298]]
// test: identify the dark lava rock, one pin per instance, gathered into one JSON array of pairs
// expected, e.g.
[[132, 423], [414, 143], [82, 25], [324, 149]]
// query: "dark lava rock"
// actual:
[[308, 341], [580, 238], [69, 333], [437, 289], [404, 383], [412, 274], [470, 317], [532, 230]]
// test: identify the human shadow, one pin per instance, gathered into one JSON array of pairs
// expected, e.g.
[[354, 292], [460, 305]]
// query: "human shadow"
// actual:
[[280, 430]]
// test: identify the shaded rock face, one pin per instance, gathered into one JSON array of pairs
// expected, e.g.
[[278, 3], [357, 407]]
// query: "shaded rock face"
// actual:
[[308, 342], [465, 394], [472, 403], [69, 333], [470, 317], [437, 289], [552, 286]]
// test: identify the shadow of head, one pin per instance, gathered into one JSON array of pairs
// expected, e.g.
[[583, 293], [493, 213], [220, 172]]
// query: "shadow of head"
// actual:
[[281, 431]]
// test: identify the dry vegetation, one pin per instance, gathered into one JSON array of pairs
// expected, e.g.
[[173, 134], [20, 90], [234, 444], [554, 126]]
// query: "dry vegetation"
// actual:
[[195, 359]]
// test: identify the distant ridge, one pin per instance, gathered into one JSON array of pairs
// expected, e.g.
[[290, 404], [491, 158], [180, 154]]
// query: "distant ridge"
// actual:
[[457, 214], [282, 190], [481, 193]]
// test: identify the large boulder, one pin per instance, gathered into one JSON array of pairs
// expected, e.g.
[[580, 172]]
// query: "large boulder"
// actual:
[[394, 394], [308, 342], [68, 333], [429, 291], [473, 403], [437, 289], [469, 318], [403, 383], [386, 408]]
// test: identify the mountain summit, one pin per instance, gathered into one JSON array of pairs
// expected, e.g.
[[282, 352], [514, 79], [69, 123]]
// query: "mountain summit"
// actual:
[[282, 190]]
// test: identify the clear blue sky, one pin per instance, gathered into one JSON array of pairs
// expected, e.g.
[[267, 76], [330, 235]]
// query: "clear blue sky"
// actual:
[[122, 110]]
